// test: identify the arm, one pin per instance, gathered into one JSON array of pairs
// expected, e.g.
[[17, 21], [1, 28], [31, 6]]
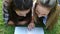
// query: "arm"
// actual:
[[5, 10]]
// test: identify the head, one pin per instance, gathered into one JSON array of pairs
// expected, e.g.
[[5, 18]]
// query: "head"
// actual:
[[43, 7], [22, 6], [47, 8]]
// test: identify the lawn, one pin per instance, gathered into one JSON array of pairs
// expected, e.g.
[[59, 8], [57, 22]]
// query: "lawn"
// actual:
[[10, 29]]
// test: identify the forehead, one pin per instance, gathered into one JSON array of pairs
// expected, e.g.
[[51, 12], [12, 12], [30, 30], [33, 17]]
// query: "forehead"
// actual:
[[39, 6], [42, 8]]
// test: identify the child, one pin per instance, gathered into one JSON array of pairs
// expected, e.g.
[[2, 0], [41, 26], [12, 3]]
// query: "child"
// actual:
[[45, 13], [17, 12]]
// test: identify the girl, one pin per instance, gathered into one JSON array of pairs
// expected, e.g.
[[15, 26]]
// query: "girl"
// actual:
[[45, 13], [17, 12]]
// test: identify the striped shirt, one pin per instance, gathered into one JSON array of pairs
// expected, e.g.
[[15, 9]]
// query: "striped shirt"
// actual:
[[5, 10]]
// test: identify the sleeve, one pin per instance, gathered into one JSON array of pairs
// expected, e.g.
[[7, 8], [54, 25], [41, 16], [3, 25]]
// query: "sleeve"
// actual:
[[5, 10], [45, 19]]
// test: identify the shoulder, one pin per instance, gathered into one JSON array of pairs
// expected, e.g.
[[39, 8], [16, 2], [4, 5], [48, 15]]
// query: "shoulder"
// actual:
[[7, 1]]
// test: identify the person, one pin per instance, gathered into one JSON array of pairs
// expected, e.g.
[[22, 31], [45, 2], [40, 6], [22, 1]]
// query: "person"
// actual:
[[45, 14], [17, 12]]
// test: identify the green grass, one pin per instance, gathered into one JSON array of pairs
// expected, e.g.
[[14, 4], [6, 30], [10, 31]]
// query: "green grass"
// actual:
[[10, 29]]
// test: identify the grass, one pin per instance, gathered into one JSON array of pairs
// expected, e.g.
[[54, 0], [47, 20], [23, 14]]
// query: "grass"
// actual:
[[10, 29]]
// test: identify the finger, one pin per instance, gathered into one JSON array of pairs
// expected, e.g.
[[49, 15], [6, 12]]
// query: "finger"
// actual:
[[31, 26]]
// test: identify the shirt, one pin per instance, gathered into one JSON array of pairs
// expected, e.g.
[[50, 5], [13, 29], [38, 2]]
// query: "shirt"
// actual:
[[5, 10], [45, 19]]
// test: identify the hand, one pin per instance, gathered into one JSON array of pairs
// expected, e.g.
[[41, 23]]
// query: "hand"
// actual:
[[31, 26], [11, 22]]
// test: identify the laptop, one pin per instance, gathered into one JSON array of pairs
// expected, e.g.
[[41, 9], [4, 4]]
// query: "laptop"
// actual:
[[24, 30]]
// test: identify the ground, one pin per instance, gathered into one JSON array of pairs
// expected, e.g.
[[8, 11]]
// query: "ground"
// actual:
[[10, 29]]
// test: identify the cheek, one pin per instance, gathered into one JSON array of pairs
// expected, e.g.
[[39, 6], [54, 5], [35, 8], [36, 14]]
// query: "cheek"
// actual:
[[47, 11], [43, 10], [39, 8]]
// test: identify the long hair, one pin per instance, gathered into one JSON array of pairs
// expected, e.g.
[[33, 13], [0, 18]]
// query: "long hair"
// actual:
[[52, 16]]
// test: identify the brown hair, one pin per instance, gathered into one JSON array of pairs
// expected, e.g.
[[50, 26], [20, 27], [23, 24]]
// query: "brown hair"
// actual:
[[52, 17]]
